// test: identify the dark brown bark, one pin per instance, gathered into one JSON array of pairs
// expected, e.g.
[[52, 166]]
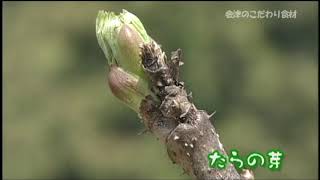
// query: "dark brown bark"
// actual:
[[186, 131]]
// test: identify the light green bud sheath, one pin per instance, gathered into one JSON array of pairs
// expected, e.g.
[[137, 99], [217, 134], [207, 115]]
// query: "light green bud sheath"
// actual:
[[120, 36]]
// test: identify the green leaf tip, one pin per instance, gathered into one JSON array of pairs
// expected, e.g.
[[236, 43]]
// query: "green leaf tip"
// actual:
[[121, 48]]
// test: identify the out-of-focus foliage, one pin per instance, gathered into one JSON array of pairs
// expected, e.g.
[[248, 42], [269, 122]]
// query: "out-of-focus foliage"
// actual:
[[61, 120]]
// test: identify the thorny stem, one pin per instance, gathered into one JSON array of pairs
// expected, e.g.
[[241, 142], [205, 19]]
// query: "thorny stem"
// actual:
[[186, 131], [144, 79]]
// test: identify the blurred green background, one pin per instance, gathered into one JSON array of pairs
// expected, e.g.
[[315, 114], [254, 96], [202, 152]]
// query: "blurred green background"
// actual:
[[61, 120]]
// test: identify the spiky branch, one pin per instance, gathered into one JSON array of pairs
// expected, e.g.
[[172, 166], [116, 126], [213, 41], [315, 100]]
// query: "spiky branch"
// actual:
[[163, 104]]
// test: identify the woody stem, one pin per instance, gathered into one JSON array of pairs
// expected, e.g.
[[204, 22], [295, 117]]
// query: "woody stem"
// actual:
[[186, 131]]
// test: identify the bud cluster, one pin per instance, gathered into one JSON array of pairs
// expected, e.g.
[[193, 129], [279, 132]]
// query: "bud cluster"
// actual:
[[120, 37]]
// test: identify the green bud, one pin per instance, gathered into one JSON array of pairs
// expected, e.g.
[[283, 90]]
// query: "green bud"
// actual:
[[129, 88], [119, 36]]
